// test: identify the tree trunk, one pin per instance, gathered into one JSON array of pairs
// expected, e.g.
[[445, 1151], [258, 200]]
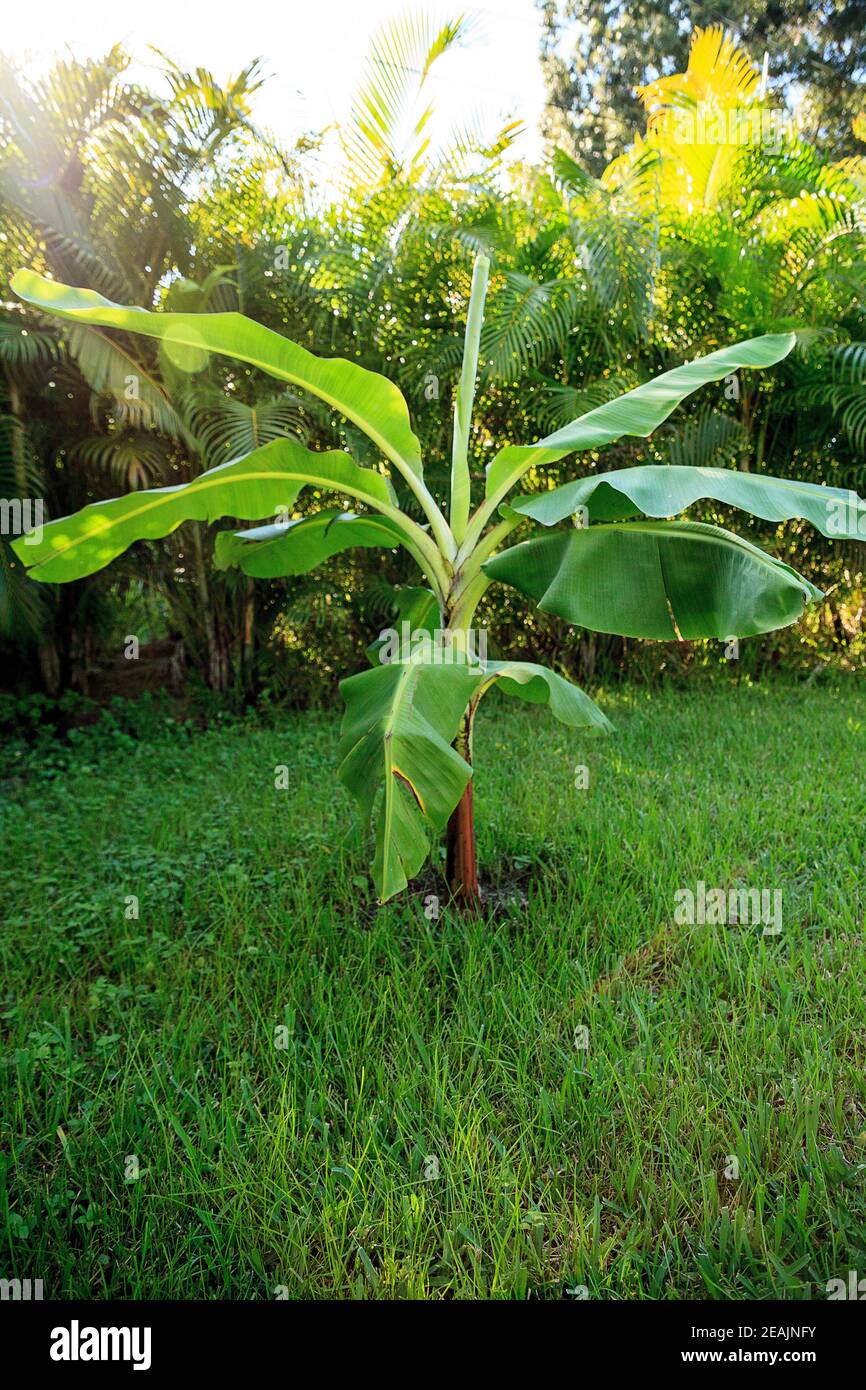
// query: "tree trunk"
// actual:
[[461, 865], [249, 637], [217, 676], [49, 665]]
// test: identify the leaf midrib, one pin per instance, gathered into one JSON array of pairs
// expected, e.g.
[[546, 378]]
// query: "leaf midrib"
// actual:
[[186, 339], [288, 474]]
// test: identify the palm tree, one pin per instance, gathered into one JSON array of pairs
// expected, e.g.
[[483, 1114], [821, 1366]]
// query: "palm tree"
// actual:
[[97, 181]]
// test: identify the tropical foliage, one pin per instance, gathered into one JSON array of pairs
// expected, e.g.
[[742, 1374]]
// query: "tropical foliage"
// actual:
[[596, 285], [406, 751]]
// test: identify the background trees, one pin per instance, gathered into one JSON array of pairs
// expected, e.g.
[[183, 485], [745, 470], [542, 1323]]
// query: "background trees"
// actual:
[[604, 273], [98, 183], [597, 53]]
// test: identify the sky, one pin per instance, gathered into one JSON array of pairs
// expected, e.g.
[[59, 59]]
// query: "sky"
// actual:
[[313, 52]]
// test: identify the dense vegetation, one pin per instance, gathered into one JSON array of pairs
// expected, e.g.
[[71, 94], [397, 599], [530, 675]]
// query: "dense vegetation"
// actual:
[[177, 201], [598, 52], [226, 1072]]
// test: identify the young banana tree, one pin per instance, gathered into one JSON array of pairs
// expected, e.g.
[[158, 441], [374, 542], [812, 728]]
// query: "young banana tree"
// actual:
[[406, 748]]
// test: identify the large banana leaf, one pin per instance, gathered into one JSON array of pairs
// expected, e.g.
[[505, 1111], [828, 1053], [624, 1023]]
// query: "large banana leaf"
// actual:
[[400, 721], [663, 489], [371, 401], [301, 545], [256, 486], [656, 579], [417, 607], [538, 686], [638, 412]]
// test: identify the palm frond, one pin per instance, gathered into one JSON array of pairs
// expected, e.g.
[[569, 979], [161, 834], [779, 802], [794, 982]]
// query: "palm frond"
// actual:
[[387, 129], [133, 459], [526, 323], [26, 349], [560, 403], [21, 473], [707, 438], [24, 607], [135, 397], [228, 428]]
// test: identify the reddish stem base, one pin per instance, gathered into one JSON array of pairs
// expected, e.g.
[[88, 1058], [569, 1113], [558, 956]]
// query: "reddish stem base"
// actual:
[[461, 863]]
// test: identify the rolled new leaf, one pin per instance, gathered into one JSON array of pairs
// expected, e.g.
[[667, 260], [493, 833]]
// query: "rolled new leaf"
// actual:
[[656, 579], [666, 490]]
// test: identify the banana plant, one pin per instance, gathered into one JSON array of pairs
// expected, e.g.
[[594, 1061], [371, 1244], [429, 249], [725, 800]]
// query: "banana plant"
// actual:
[[632, 566]]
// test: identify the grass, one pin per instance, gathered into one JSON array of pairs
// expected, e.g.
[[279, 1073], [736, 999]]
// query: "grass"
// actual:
[[325, 1099]]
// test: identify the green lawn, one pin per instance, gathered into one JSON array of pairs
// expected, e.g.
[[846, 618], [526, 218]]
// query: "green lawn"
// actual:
[[425, 1125]]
